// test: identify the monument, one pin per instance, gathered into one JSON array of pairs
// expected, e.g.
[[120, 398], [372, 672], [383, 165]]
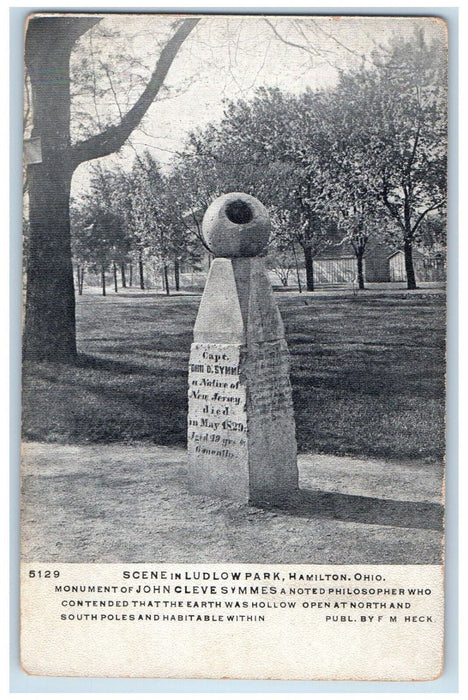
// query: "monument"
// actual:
[[241, 431]]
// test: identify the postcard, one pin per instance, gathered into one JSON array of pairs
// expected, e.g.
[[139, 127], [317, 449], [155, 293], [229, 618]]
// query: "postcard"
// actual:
[[233, 455]]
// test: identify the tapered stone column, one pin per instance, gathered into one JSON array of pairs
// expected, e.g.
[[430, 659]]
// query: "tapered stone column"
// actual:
[[241, 430]]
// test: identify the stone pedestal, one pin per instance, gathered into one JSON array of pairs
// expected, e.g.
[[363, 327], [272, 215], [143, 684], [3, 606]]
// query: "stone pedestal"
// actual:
[[241, 431]]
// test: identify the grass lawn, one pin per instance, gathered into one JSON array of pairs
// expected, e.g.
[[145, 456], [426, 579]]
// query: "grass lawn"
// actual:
[[367, 374]]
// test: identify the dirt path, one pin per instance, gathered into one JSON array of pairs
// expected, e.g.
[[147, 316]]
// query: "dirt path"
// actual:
[[112, 503]]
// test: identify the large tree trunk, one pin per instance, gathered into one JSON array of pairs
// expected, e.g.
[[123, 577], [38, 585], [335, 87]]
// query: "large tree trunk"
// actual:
[[122, 274], [49, 330], [309, 267], [410, 276], [49, 327]]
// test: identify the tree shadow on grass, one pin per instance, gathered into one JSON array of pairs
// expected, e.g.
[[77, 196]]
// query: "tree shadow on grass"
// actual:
[[101, 400], [122, 367], [361, 509]]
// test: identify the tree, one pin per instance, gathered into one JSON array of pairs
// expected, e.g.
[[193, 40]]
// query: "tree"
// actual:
[[367, 156], [275, 149], [282, 256], [103, 211], [186, 244], [354, 205], [195, 182], [150, 219], [394, 115], [157, 222], [102, 243], [49, 331], [99, 238]]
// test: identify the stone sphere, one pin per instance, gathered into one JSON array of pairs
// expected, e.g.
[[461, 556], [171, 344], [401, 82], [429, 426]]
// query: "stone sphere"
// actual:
[[236, 225]]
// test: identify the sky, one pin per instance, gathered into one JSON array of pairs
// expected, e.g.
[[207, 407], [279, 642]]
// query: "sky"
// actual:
[[228, 58]]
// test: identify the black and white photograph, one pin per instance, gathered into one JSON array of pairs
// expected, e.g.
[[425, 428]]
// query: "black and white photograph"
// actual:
[[234, 333]]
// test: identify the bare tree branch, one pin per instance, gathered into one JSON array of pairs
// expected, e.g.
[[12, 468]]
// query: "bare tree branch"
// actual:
[[290, 43], [109, 78], [426, 211], [343, 46], [93, 72], [114, 137], [392, 209]]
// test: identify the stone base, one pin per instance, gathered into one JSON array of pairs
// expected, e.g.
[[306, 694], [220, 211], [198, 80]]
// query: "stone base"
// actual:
[[241, 430]]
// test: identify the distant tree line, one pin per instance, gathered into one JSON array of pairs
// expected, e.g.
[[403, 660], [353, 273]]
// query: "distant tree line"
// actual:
[[127, 218], [366, 159]]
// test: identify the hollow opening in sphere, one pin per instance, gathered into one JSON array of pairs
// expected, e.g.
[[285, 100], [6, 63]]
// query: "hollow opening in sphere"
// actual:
[[239, 212]]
